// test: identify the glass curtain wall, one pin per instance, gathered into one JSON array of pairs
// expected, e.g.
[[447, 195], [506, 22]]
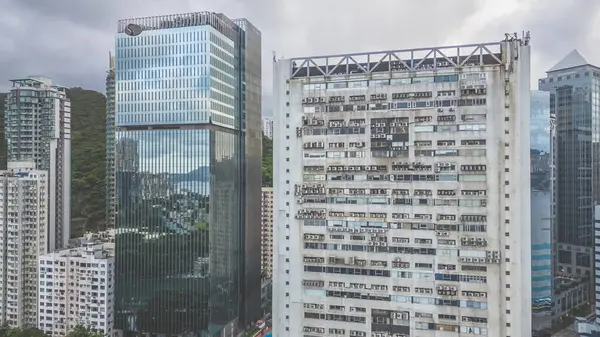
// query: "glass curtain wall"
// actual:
[[178, 162]]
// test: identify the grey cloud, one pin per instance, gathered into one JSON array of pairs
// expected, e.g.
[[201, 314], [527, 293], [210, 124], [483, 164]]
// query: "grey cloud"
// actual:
[[556, 27], [69, 40]]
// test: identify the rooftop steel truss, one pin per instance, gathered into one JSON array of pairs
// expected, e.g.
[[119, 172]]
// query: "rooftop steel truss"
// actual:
[[398, 60]]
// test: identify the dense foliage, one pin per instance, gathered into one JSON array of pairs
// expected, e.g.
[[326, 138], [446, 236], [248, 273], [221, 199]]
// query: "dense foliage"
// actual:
[[88, 158], [82, 331], [78, 331], [267, 162], [5, 331]]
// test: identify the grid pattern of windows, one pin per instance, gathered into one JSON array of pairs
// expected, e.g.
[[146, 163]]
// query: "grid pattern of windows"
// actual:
[[175, 76], [38, 128], [395, 196], [182, 161]]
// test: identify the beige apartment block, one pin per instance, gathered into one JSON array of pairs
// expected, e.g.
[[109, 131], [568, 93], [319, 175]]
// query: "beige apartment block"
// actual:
[[266, 254]]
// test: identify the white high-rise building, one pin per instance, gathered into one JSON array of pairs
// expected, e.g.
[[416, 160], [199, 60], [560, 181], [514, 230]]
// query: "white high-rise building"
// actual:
[[402, 201], [37, 118], [268, 127], [77, 288], [23, 238]]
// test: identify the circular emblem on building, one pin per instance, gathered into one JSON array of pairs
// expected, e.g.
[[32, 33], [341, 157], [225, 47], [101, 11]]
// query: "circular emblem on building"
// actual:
[[133, 30]]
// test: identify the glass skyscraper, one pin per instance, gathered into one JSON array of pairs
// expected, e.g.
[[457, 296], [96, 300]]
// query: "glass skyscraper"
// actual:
[[541, 209], [187, 174], [574, 87]]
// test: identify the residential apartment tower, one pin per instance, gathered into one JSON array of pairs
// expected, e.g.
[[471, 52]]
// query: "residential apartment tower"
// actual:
[[77, 288], [23, 238], [110, 145], [37, 121]]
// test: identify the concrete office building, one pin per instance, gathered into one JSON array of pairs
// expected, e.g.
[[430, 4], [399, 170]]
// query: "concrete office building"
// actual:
[[266, 255], [187, 174], [401, 192], [574, 85], [77, 288], [37, 121], [23, 238]]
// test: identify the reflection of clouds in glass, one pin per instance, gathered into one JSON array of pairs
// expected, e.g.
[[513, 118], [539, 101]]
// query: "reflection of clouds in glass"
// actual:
[[167, 85], [175, 162], [169, 151], [540, 121]]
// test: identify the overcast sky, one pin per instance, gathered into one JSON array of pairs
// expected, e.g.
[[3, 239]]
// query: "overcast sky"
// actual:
[[69, 40]]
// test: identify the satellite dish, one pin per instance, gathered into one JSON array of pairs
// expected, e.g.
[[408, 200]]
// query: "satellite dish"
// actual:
[[133, 30]]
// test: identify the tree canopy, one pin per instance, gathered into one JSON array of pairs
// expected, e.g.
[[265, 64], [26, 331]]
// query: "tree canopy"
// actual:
[[78, 331], [6, 331], [267, 162], [82, 331]]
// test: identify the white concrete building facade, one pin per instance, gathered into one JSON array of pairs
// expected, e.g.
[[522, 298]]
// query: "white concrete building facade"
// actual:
[[23, 238], [402, 193], [77, 288], [268, 127]]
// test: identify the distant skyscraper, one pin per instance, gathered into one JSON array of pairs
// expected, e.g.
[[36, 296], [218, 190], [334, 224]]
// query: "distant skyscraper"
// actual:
[[541, 209], [401, 193], [188, 174], [267, 232], [268, 127], [573, 84], [587, 327], [597, 257], [37, 121], [23, 238], [110, 144]]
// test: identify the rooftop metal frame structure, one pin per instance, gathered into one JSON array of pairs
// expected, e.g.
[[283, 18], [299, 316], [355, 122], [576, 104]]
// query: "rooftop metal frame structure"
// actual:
[[216, 20], [37, 83], [419, 59]]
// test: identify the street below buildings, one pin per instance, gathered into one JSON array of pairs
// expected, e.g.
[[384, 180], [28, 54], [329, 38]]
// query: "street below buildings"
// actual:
[[566, 332]]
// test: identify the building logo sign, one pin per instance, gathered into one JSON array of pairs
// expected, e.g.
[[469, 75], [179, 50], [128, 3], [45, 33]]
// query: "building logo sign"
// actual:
[[133, 29]]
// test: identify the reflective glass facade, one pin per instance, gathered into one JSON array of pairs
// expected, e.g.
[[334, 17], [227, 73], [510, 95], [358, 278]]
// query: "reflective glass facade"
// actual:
[[574, 88], [181, 163], [541, 205], [574, 101]]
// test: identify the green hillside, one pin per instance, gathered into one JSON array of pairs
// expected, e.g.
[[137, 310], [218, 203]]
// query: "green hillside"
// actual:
[[88, 158]]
